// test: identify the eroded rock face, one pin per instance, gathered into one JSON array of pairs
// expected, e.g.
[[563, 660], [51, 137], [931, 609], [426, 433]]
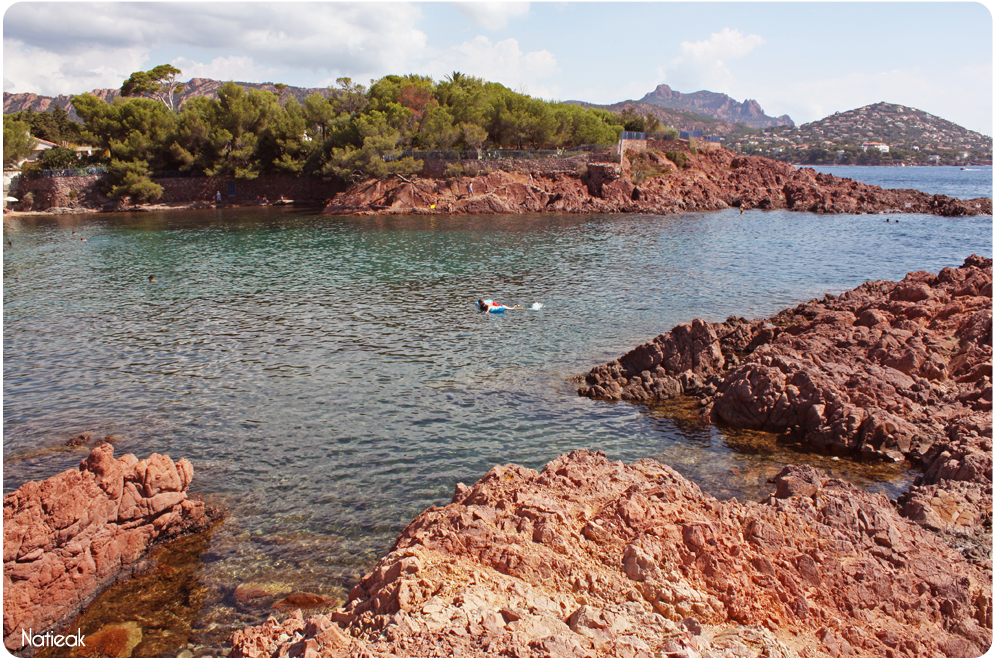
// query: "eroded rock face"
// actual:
[[885, 371], [709, 181], [70, 536], [597, 558]]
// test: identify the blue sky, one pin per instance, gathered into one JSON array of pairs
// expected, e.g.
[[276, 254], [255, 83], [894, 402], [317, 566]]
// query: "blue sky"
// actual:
[[801, 58]]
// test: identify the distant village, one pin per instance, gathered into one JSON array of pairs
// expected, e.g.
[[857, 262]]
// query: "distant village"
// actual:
[[880, 133]]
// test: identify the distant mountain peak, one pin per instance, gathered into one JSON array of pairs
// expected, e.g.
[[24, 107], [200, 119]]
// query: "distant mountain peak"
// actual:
[[715, 105]]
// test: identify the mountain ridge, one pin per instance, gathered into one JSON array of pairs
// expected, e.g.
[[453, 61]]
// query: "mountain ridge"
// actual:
[[716, 105]]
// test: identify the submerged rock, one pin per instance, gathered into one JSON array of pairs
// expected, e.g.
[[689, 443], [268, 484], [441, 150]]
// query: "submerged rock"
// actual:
[[597, 558], [69, 537]]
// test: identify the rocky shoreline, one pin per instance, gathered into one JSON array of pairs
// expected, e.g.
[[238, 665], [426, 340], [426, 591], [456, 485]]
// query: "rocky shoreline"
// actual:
[[884, 371], [594, 558], [665, 177], [68, 538], [590, 557], [648, 181]]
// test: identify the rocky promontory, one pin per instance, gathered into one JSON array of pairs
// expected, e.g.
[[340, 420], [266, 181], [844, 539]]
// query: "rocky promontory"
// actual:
[[67, 538], [889, 370], [594, 558], [669, 179]]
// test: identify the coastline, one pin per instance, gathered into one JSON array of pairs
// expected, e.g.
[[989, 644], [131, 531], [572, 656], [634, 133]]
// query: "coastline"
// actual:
[[597, 558], [648, 177], [654, 177], [594, 558]]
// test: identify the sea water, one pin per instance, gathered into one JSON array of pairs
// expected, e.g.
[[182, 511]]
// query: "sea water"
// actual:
[[330, 378]]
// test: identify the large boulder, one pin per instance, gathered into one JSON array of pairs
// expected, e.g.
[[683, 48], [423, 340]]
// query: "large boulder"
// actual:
[[67, 538]]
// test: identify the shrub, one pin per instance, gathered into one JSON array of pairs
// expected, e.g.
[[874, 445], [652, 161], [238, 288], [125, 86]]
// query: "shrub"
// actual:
[[471, 170], [59, 157], [677, 157], [454, 170], [131, 179]]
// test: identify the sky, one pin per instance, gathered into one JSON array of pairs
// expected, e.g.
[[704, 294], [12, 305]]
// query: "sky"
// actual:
[[804, 59]]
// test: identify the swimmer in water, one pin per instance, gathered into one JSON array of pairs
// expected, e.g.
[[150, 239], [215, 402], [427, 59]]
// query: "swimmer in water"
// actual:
[[495, 307]]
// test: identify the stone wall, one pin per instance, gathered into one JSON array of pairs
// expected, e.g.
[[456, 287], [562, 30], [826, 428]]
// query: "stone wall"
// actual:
[[272, 187], [88, 191], [61, 191]]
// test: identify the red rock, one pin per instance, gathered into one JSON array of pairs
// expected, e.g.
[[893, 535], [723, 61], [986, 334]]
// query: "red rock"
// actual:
[[827, 570], [884, 371], [712, 179], [70, 536], [302, 600]]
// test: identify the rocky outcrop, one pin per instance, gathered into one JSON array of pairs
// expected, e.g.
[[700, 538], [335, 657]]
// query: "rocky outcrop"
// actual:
[[67, 538], [715, 105], [597, 558], [885, 371], [709, 180]]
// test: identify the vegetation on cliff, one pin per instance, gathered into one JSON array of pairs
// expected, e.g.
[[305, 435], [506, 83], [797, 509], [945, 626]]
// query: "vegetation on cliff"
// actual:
[[350, 132]]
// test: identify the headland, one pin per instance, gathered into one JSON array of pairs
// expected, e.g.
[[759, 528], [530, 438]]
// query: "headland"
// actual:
[[638, 176]]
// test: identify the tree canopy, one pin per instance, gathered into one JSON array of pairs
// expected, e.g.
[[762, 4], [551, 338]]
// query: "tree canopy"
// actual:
[[159, 83], [17, 142], [350, 131]]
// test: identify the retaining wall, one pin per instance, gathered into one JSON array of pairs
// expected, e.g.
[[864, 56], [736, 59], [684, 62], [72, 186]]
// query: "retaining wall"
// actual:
[[88, 191]]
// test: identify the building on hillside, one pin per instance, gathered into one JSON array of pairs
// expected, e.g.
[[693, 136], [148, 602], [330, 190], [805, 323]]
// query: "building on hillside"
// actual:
[[877, 145], [42, 145]]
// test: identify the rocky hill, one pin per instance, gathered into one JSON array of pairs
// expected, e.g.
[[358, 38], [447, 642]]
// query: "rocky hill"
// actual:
[[893, 124], [716, 105], [715, 113], [680, 119], [14, 102]]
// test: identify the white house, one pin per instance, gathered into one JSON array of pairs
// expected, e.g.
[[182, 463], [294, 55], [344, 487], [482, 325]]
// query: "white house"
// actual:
[[877, 145]]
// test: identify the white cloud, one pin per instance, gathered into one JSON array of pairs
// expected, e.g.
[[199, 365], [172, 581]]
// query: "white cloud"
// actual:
[[702, 65], [492, 15], [356, 39], [233, 68], [502, 62], [964, 98], [29, 69]]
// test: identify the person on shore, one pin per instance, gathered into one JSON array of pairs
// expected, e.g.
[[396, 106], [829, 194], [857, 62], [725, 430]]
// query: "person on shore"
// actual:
[[218, 197]]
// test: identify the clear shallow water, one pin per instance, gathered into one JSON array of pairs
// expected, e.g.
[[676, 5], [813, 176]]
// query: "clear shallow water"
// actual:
[[330, 378]]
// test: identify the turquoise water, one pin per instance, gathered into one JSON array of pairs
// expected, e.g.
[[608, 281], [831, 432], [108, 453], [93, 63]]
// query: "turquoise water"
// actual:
[[330, 378]]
